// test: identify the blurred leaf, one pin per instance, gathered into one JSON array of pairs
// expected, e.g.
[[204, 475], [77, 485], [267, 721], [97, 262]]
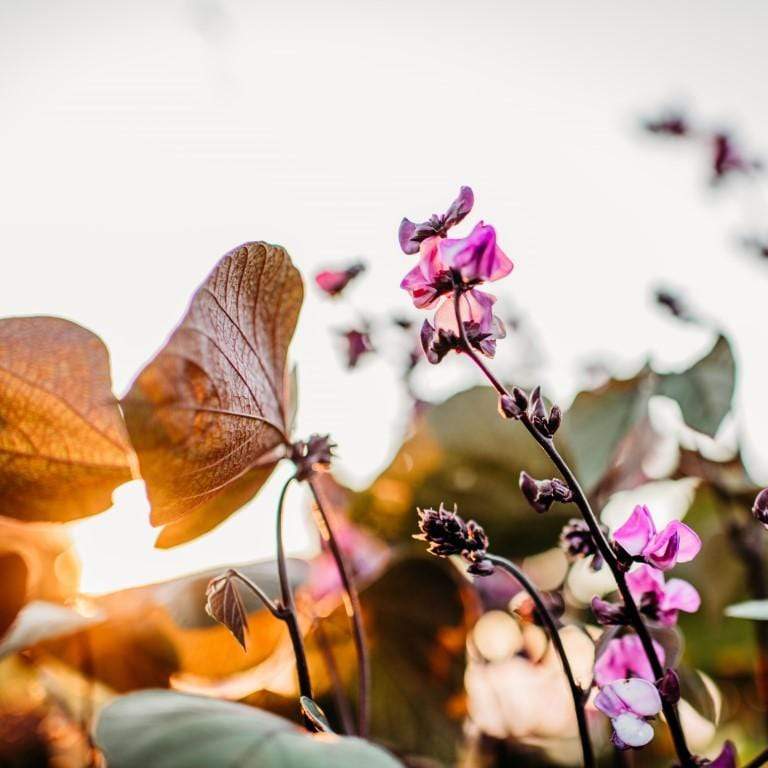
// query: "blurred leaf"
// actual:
[[53, 568], [416, 619], [39, 621], [757, 610], [461, 451], [166, 730], [209, 412], [13, 578], [223, 603], [705, 390], [63, 443], [599, 421]]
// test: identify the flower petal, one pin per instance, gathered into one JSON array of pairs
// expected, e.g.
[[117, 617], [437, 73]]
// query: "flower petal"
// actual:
[[609, 703], [632, 731], [460, 207], [690, 543], [639, 696], [476, 257], [645, 578], [635, 534], [404, 235], [679, 595]]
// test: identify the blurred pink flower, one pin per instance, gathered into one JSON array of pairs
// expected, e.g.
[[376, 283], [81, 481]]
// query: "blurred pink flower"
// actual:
[[625, 657], [661, 600], [677, 543], [358, 344], [334, 281], [629, 704]]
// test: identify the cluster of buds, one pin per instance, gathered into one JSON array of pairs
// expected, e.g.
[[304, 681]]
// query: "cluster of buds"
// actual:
[[542, 494], [546, 424], [448, 534], [515, 405], [576, 541], [760, 507], [312, 455]]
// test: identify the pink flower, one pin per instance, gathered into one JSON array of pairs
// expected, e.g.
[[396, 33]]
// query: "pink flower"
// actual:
[[660, 600], [411, 234], [476, 257], [334, 281], [625, 657], [430, 278], [629, 704], [677, 543]]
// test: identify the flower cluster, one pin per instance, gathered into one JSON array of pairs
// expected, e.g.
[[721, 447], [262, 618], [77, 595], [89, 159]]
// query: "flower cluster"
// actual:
[[576, 541], [447, 534], [629, 691], [446, 279]]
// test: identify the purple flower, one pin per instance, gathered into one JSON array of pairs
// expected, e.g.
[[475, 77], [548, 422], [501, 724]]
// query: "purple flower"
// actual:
[[476, 257], [727, 158], [334, 281], [638, 537], [726, 758], [358, 344], [411, 234], [660, 600], [629, 704], [625, 657]]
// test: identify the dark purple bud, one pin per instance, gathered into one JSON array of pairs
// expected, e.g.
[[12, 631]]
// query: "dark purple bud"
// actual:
[[555, 419], [312, 455], [760, 507], [669, 686], [541, 494], [521, 399], [576, 541], [447, 534], [530, 489], [608, 613], [537, 413], [508, 408]]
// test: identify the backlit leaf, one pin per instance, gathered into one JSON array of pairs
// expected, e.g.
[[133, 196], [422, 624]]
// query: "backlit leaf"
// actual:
[[209, 415], [165, 729], [63, 443], [223, 603]]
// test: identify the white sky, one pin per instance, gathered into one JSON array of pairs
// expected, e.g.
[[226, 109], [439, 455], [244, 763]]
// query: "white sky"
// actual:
[[139, 141]]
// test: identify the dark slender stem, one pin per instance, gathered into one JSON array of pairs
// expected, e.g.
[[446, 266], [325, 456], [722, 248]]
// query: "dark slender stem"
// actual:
[[603, 545], [272, 607], [759, 760], [355, 613], [578, 694], [288, 606], [339, 696]]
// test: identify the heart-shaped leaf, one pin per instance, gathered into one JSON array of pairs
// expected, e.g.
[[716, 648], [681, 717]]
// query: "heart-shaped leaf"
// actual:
[[63, 443], [209, 414], [166, 729], [705, 390], [223, 603]]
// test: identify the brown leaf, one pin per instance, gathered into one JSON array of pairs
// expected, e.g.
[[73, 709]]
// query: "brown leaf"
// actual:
[[208, 416], [223, 603], [63, 443]]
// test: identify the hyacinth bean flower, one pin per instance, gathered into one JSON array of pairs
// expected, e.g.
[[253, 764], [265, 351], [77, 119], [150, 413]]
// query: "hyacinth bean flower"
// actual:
[[659, 599], [412, 234], [638, 537], [625, 657], [334, 281], [629, 704]]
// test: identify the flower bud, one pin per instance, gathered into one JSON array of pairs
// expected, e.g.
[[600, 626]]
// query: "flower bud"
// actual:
[[508, 408], [760, 508], [669, 686], [530, 489], [520, 398], [555, 419], [576, 541], [608, 613], [541, 494]]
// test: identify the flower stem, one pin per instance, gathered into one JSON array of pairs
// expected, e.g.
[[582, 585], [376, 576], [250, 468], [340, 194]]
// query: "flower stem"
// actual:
[[288, 605], [603, 545], [759, 760], [578, 694], [355, 613], [274, 609]]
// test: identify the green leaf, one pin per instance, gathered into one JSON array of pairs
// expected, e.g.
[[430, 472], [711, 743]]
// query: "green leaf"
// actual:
[[165, 729], [757, 610], [704, 391]]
